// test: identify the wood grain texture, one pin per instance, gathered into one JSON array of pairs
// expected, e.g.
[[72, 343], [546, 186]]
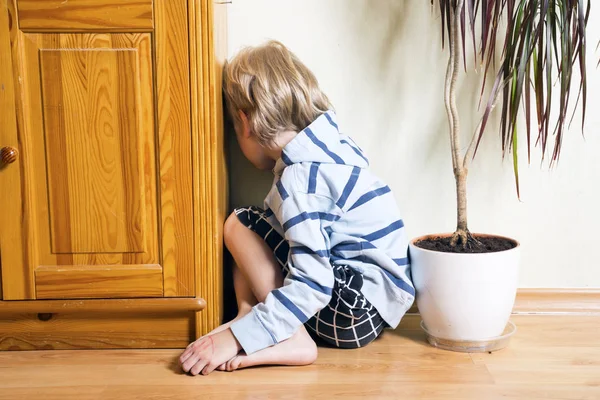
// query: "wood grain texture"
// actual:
[[10, 175], [90, 99], [107, 215], [95, 331], [98, 281], [17, 235], [104, 127], [550, 358], [208, 48], [8, 155], [174, 147], [90, 156], [85, 15], [112, 306]]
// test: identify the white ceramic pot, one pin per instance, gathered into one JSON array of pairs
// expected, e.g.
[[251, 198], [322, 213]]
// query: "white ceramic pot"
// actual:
[[464, 296]]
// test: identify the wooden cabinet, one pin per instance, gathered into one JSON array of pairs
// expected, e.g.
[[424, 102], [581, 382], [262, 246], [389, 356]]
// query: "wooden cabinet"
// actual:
[[112, 188]]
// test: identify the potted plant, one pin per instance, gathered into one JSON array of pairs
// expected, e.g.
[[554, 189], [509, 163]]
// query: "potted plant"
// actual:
[[466, 283]]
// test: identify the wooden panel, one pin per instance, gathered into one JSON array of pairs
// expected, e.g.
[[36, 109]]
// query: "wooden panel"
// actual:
[[16, 233], [82, 15], [97, 282], [91, 180], [85, 118], [11, 251], [96, 331], [89, 98], [174, 135], [208, 51], [115, 203], [112, 306]]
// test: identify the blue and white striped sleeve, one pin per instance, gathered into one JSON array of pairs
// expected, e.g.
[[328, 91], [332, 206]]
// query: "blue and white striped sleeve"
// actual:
[[307, 289]]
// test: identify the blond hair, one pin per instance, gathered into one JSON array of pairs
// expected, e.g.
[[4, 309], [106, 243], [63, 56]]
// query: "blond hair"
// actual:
[[275, 90]]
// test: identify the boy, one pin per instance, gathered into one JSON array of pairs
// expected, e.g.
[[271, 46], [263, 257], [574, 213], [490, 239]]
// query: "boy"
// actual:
[[328, 255]]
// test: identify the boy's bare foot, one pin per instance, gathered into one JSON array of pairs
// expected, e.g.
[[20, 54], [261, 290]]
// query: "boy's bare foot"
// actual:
[[207, 353], [300, 349], [226, 325], [221, 328]]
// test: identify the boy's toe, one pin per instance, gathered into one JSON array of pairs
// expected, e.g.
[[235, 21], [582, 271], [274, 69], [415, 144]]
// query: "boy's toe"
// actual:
[[234, 363]]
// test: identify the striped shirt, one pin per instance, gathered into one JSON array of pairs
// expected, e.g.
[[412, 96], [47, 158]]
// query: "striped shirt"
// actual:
[[332, 211]]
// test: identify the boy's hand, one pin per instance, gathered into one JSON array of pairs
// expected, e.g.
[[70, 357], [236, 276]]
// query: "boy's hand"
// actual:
[[208, 352]]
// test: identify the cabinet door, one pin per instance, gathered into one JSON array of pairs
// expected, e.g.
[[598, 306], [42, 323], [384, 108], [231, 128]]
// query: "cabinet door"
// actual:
[[98, 203]]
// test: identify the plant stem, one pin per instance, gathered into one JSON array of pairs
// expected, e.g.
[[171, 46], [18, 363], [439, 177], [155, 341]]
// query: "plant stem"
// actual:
[[461, 206], [450, 88], [458, 164]]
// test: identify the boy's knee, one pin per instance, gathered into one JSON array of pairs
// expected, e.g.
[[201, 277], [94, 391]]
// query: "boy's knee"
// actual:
[[232, 223]]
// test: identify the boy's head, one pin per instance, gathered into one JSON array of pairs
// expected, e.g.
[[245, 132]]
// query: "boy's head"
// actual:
[[269, 91]]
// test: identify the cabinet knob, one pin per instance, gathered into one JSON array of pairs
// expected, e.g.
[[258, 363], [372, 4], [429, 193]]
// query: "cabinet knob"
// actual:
[[8, 155]]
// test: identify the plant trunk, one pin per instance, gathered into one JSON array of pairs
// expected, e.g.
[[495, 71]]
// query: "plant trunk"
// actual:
[[461, 201], [459, 162]]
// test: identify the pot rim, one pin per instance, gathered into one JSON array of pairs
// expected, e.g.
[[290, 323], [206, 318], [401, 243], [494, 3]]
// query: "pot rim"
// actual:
[[436, 235]]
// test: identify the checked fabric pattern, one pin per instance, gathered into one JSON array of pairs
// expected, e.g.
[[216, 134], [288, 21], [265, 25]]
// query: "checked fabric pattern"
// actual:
[[349, 320]]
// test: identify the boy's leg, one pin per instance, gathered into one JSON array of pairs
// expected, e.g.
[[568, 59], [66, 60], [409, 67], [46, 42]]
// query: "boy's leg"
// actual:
[[262, 274], [253, 257], [245, 301], [243, 293], [244, 296], [350, 321], [300, 349]]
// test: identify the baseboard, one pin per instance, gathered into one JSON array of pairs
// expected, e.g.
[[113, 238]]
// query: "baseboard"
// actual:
[[552, 301], [557, 301]]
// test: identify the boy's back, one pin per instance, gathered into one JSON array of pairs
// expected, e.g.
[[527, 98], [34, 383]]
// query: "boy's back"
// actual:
[[323, 180]]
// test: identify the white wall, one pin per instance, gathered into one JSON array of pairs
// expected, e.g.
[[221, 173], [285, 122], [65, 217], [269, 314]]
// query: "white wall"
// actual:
[[381, 64]]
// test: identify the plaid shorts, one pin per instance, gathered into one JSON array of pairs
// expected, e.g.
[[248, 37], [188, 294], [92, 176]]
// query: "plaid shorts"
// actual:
[[349, 321]]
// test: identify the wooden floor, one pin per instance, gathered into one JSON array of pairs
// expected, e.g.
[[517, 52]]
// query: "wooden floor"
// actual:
[[551, 357]]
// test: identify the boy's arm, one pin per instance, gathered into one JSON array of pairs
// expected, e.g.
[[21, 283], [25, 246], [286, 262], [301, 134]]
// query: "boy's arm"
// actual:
[[307, 289]]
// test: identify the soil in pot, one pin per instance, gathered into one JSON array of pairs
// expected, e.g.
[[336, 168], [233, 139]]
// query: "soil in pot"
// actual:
[[488, 244]]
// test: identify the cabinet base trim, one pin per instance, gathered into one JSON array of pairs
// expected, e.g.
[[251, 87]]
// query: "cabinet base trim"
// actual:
[[99, 306], [106, 330]]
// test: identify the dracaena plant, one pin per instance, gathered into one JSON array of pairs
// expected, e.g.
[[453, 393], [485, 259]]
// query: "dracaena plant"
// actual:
[[542, 43]]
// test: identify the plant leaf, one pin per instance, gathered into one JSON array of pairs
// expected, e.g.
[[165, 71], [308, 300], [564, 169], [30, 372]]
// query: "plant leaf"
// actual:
[[515, 153], [544, 41]]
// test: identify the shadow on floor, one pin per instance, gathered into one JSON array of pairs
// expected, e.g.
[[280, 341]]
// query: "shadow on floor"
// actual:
[[174, 366]]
